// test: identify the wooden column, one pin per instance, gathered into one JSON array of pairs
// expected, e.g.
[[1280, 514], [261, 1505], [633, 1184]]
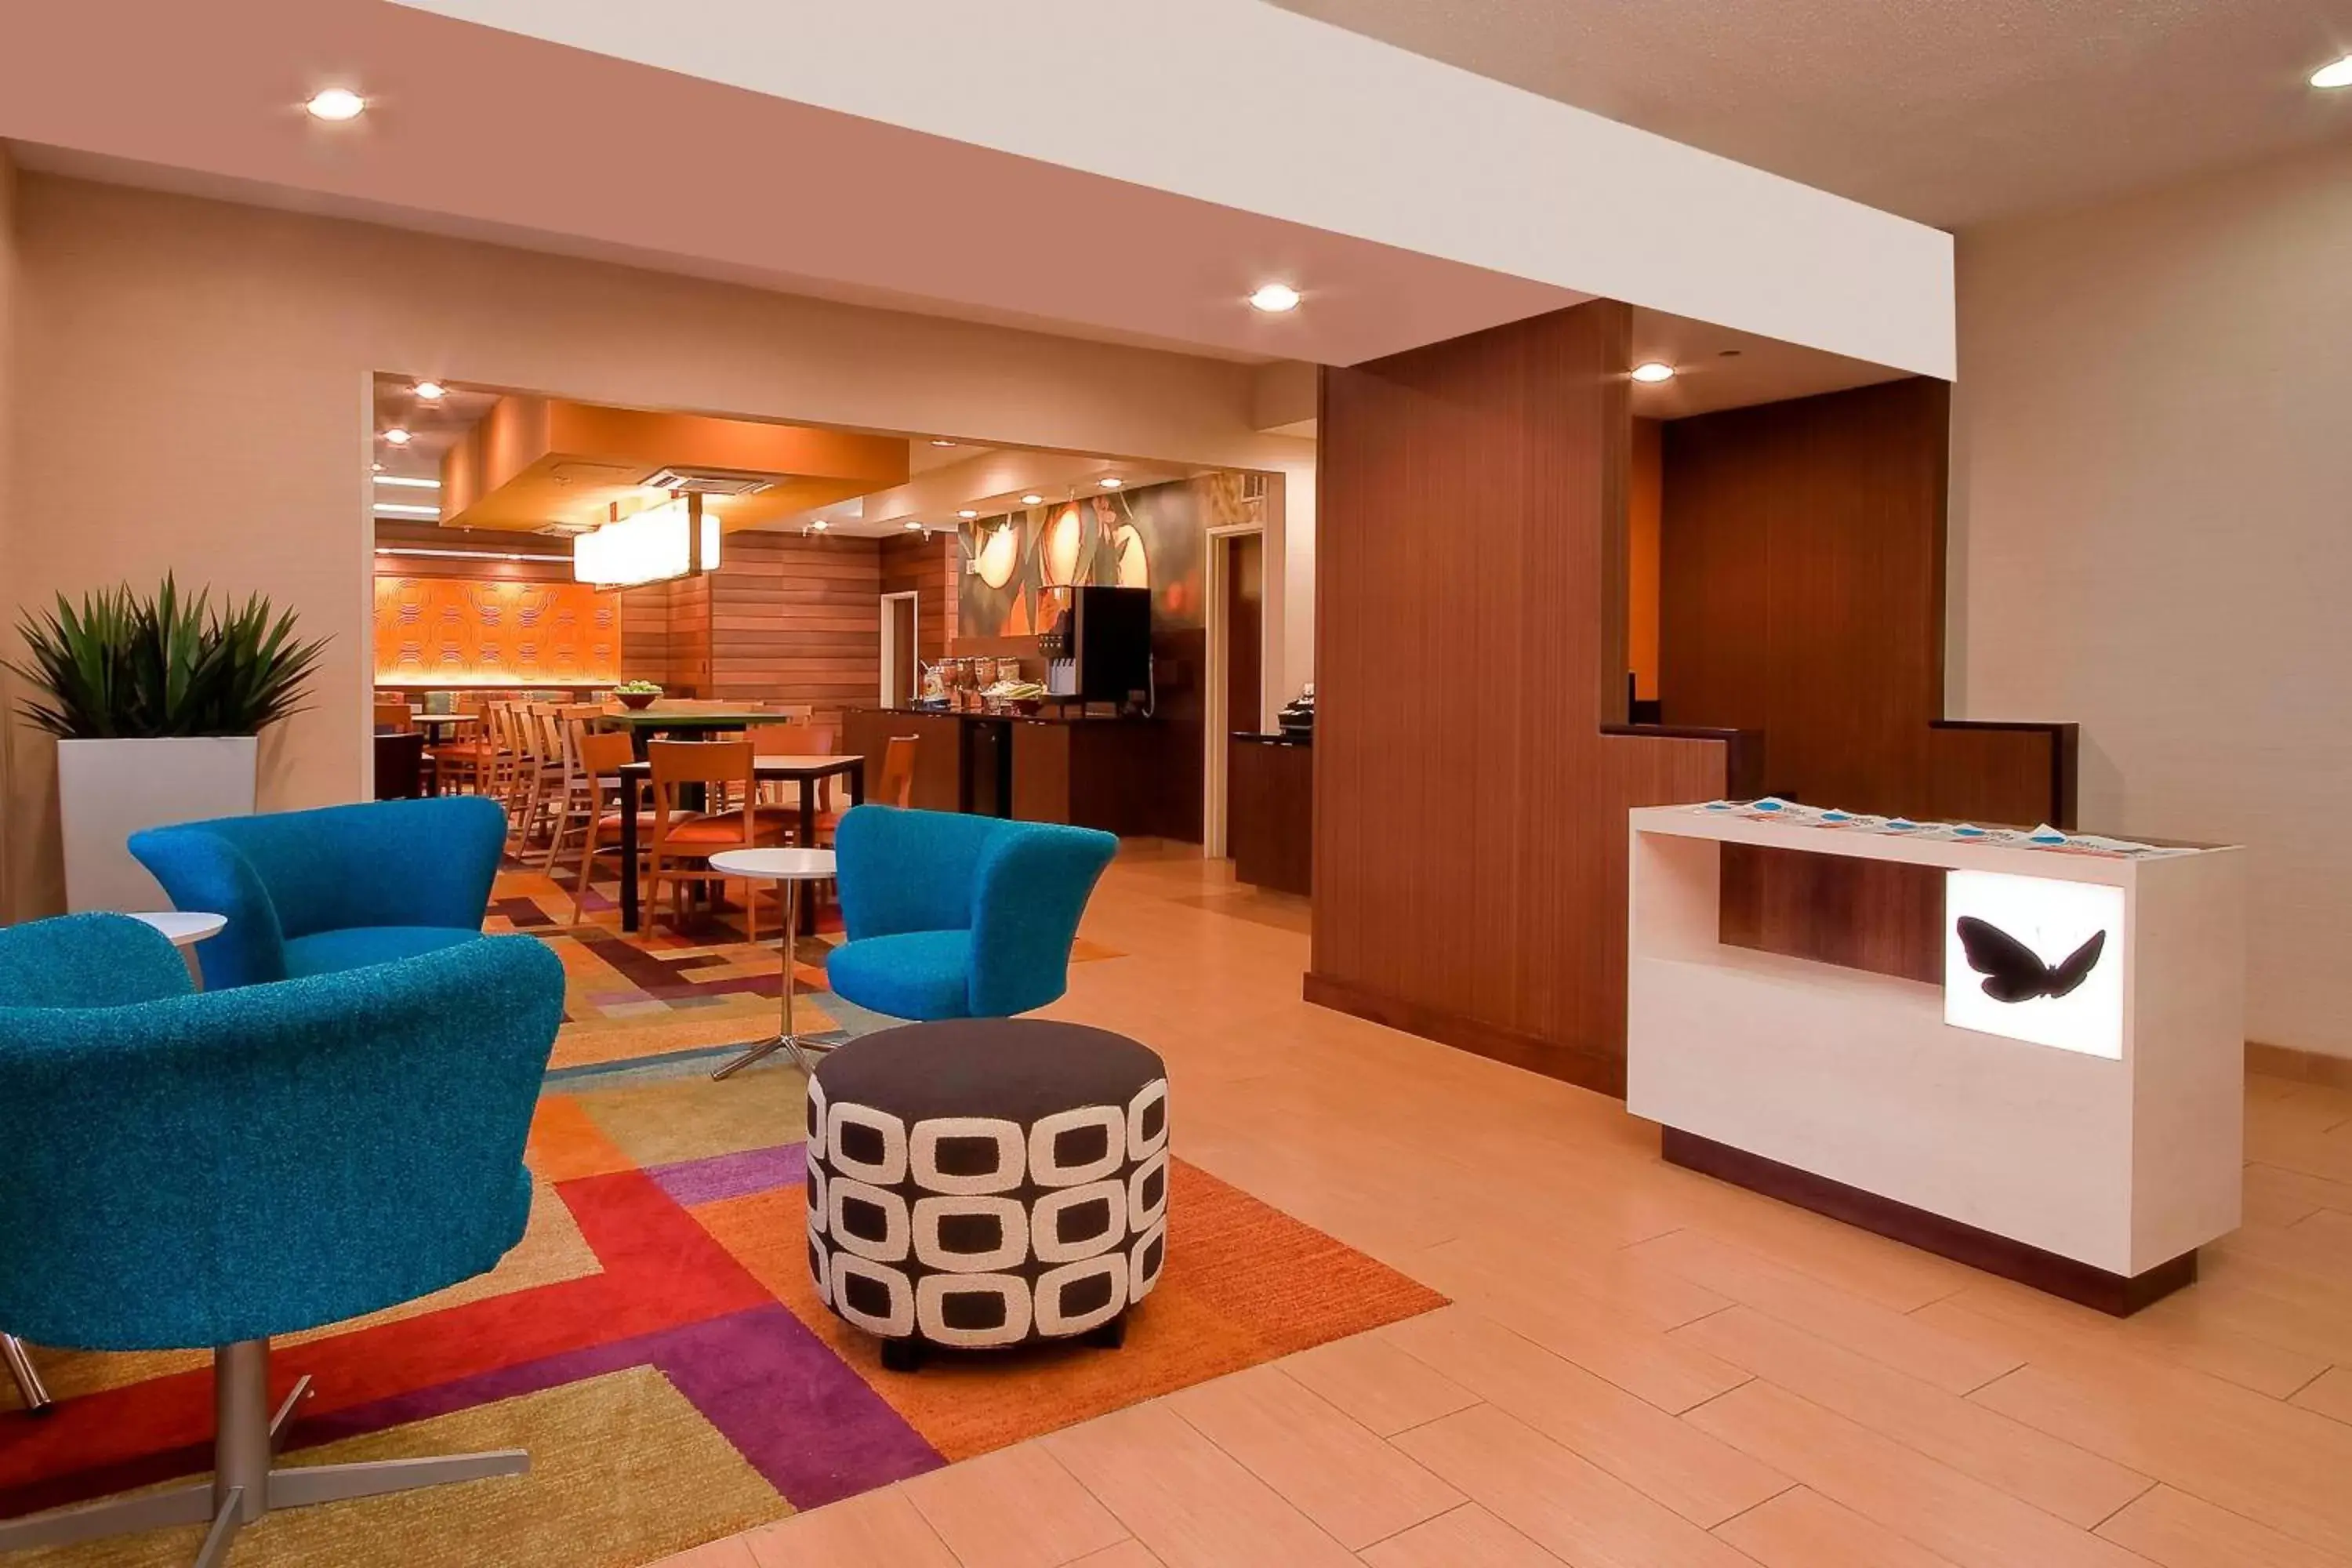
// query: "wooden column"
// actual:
[[1470, 828]]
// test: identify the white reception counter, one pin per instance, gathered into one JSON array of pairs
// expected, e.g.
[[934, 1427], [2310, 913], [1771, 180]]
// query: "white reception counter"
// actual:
[[2066, 1109]]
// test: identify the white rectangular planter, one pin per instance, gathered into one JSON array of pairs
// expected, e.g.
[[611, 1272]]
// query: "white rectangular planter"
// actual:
[[109, 790]]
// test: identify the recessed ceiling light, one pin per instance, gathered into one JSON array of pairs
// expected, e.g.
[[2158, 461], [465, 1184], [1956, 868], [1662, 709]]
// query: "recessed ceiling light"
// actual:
[[966, 514], [404, 482], [1273, 298], [819, 524], [377, 467], [913, 527], [1110, 484], [1653, 371], [397, 437], [336, 103], [941, 441], [431, 391], [1033, 498], [2335, 73]]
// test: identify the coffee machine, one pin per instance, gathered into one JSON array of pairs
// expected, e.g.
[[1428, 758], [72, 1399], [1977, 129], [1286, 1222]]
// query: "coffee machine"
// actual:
[[1099, 649]]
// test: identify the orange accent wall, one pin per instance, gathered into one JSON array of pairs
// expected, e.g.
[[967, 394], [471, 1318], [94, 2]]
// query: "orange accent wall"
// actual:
[[461, 631], [1645, 510]]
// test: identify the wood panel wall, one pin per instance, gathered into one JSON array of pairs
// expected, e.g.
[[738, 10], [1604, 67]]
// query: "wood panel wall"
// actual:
[[928, 568], [647, 652], [795, 618], [1802, 597], [1470, 838]]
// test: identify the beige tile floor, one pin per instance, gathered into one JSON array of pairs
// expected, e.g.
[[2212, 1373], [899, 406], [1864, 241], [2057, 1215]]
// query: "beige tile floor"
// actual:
[[1644, 1369]]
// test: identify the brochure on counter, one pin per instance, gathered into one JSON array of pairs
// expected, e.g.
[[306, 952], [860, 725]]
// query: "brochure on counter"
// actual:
[[1830, 818]]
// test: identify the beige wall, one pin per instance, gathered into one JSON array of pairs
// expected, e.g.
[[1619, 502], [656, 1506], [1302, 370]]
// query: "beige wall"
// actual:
[[2150, 534], [204, 373]]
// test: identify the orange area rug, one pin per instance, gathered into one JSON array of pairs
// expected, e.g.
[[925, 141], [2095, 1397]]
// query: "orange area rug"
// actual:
[[655, 1341]]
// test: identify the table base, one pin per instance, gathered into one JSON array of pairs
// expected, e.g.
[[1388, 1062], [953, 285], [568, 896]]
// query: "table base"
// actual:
[[799, 1045]]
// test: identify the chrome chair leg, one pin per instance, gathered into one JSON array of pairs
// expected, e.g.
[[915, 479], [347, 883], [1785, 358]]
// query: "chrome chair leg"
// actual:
[[246, 1482], [27, 1375]]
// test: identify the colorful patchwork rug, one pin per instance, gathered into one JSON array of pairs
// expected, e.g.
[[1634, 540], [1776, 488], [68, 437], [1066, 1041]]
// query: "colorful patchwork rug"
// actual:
[[654, 1341]]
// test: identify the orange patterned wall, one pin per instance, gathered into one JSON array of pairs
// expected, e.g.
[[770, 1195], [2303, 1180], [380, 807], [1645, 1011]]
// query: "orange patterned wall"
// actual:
[[455, 631]]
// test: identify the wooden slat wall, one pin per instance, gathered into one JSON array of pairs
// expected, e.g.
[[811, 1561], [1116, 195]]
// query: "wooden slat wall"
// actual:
[[1470, 838], [647, 651], [928, 568], [1802, 596], [795, 618]]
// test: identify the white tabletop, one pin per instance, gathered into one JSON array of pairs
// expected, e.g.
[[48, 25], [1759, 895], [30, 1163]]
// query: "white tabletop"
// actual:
[[783, 865], [184, 927]]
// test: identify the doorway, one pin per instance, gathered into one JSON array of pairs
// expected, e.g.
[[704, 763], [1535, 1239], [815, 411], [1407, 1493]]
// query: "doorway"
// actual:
[[898, 645], [1236, 660]]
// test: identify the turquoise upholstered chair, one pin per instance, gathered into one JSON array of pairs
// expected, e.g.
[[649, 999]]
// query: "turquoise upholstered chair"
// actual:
[[181, 1170], [951, 916], [311, 892]]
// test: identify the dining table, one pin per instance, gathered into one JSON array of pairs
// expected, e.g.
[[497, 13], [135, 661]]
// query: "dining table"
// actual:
[[807, 772], [645, 723]]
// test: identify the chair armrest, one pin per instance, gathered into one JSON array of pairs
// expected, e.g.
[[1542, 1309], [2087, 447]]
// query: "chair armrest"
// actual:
[[284, 1156], [203, 870], [87, 960], [1031, 887]]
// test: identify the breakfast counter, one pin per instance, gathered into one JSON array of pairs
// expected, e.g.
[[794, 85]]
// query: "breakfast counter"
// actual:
[[1087, 770]]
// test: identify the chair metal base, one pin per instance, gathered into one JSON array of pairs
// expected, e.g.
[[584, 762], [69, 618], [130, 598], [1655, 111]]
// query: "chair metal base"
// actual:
[[246, 1483], [27, 1375], [804, 1052]]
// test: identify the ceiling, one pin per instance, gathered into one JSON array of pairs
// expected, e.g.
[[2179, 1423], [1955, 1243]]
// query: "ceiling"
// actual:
[[940, 475], [1197, 152], [1949, 112], [482, 133]]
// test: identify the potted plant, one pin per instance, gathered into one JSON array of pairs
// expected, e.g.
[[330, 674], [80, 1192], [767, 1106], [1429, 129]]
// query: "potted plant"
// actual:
[[156, 702]]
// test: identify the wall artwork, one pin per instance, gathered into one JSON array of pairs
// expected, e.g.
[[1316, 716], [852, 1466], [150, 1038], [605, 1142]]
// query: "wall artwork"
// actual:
[[454, 631], [1154, 536]]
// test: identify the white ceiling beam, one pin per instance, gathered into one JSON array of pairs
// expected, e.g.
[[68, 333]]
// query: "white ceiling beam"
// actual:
[[1251, 107]]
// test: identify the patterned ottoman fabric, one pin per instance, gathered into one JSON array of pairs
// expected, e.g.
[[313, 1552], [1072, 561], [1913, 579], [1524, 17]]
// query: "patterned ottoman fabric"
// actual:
[[987, 1182]]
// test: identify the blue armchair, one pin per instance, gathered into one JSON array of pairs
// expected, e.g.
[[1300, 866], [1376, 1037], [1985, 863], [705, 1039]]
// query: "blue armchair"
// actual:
[[181, 1169], [312, 892], [951, 916]]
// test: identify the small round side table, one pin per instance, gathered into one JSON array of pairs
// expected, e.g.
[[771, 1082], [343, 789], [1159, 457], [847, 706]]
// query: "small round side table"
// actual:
[[788, 867], [184, 928]]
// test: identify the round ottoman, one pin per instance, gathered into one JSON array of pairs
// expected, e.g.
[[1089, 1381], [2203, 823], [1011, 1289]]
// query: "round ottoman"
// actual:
[[987, 1182]]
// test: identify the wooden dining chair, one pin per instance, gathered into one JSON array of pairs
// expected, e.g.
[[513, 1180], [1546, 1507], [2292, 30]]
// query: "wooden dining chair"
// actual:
[[543, 760], [507, 779], [600, 755], [391, 717], [895, 787], [684, 841], [897, 784], [574, 800], [799, 739], [465, 760]]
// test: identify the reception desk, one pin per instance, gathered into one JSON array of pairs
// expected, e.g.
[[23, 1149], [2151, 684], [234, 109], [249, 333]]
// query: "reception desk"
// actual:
[[2080, 1131]]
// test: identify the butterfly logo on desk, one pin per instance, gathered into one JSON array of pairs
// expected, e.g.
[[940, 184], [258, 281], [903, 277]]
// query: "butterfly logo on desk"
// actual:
[[2014, 971]]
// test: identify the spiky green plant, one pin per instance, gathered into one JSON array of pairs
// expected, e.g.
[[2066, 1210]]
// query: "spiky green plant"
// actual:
[[124, 666]]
